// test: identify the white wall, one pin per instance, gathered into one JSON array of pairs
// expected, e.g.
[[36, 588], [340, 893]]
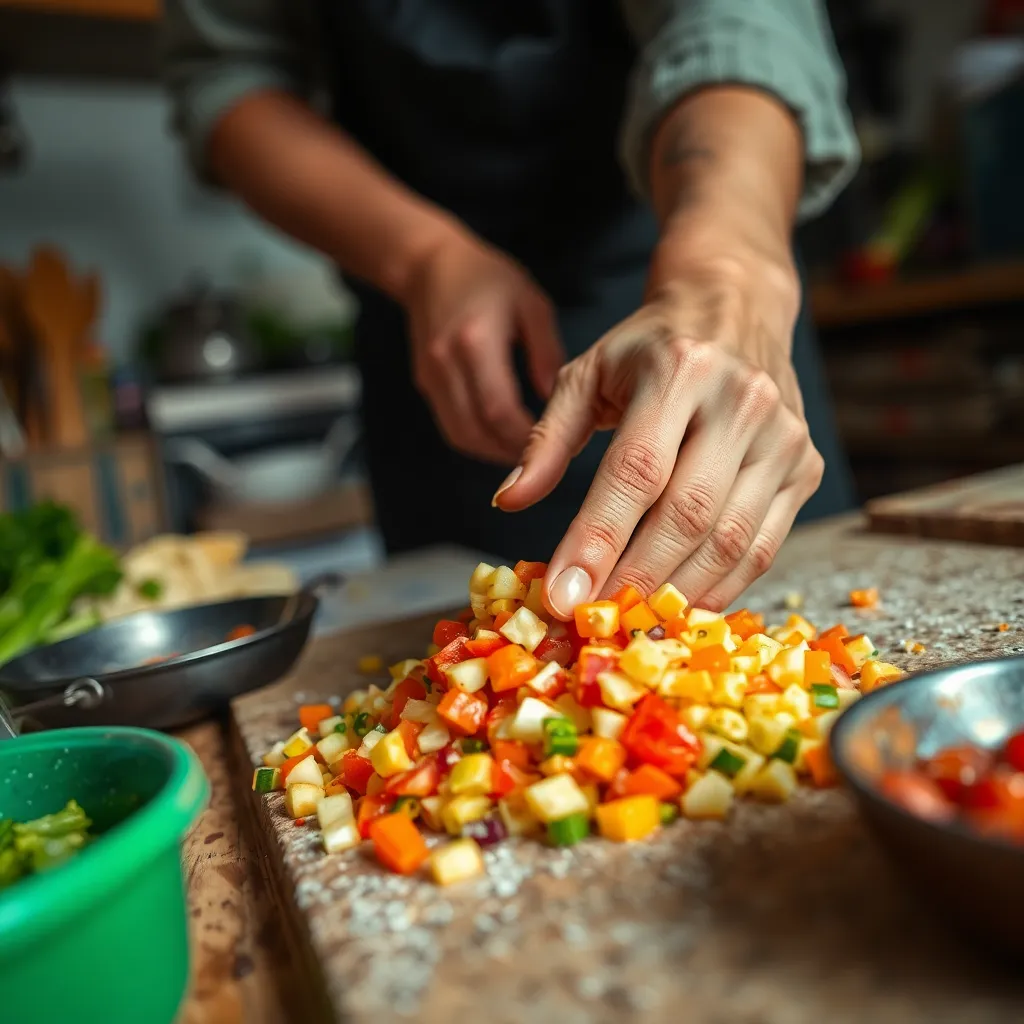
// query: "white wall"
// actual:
[[106, 182]]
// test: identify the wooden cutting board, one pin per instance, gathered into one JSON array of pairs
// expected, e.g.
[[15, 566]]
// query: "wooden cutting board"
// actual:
[[782, 915], [988, 508]]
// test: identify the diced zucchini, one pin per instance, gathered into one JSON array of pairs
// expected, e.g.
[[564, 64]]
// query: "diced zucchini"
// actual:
[[727, 763], [336, 807], [329, 725], [266, 780], [307, 770], [524, 628], [560, 737], [569, 831], [753, 763], [340, 836], [768, 731], [333, 745], [276, 756], [728, 723], [824, 696], [696, 716], [301, 798], [789, 747], [711, 745]]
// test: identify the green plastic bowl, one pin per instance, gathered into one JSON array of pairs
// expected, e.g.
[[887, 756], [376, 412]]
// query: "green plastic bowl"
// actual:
[[104, 936]]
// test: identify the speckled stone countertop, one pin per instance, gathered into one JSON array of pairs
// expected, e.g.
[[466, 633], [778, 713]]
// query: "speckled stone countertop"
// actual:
[[782, 915]]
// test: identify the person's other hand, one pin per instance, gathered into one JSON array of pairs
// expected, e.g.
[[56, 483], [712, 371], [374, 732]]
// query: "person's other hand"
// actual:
[[711, 458], [468, 305]]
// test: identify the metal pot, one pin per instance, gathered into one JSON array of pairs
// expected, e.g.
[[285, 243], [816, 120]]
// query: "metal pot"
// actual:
[[272, 476], [204, 337]]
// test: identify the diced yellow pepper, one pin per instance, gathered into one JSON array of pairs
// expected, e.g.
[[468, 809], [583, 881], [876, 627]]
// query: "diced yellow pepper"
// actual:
[[729, 689], [683, 684], [667, 602], [456, 862], [299, 741], [728, 723], [472, 774], [389, 756], [630, 818], [874, 674], [644, 661], [461, 810], [370, 664]]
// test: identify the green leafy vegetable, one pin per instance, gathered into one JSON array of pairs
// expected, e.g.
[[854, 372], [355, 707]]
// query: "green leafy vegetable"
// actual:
[[150, 589]]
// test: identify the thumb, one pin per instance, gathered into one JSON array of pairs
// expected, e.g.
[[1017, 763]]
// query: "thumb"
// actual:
[[559, 435], [539, 331]]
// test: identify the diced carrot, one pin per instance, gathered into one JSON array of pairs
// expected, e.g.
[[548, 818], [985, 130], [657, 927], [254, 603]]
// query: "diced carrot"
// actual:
[[819, 764], [447, 630], [513, 751], [408, 689], [463, 711], [410, 731], [601, 757], [866, 598], [398, 843], [745, 623], [762, 683], [817, 668], [311, 715], [648, 780], [526, 572], [640, 617], [627, 598], [355, 770], [714, 658], [510, 667], [370, 808], [554, 648]]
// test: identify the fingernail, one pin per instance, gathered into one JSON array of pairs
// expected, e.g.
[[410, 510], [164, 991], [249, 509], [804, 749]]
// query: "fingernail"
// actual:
[[508, 482], [572, 586]]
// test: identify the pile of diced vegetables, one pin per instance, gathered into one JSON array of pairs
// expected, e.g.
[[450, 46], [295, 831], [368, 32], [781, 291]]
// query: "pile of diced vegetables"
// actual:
[[519, 725]]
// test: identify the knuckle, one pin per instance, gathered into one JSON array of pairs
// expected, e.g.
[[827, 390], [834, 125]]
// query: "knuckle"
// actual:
[[730, 539], [795, 435], [635, 465], [637, 577], [759, 394], [762, 553], [685, 356], [692, 513], [598, 539]]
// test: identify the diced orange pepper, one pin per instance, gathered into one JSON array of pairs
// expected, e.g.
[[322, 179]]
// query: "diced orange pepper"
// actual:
[[817, 668], [745, 623], [819, 764], [601, 757], [485, 647], [398, 843], [510, 667], [508, 778], [513, 751], [639, 617], [463, 711], [676, 627], [527, 572], [311, 715], [762, 683], [866, 598], [447, 630], [627, 598], [597, 619], [369, 808], [651, 781], [410, 731], [629, 818], [714, 658], [501, 618], [838, 630], [832, 642]]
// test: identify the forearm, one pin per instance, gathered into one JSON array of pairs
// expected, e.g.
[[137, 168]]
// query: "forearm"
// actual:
[[732, 156], [309, 180]]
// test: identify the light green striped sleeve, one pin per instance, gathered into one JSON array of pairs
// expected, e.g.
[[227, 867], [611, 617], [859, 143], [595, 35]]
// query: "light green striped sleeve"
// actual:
[[784, 47]]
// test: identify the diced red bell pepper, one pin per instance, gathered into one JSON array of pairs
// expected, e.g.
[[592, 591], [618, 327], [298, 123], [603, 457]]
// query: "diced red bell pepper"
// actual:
[[466, 615], [513, 751], [450, 654], [510, 667], [588, 695], [410, 731], [957, 769], [463, 711], [626, 598], [555, 647], [745, 623], [1013, 752], [486, 646], [647, 780], [714, 658], [592, 662], [447, 758], [655, 734], [355, 770], [507, 778], [421, 780], [408, 689], [447, 630], [526, 572], [370, 808]]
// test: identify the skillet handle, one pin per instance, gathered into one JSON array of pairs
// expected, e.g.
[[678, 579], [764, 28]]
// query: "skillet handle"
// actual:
[[322, 581], [86, 693]]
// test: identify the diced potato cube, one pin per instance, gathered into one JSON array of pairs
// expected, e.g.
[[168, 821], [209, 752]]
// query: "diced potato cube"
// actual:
[[328, 725], [434, 736], [517, 817], [419, 711], [431, 808], [456, 861], [576, 713], [528, 722], [463, 809], [760, 704], [370, 740], [762, 647], [729, 689], [797, 701], [389, 756], [301, 798], [667, 603], [336, 807], [768, 731], [701, 617], [683, 684], [469, 676], [543, 679], [644, 661], [504, 585], [775, 782], [860, 648], [525, 629], [696, 716], [299, 741], [709, 797], [472, 775], [787, 667], [711, 747], [707, 633], [333, 745], [748, 664], [481, 577], [729, 724], [275, 757], [307, 771], [608, 724], [340, 836], [556, 797], [618, 691]]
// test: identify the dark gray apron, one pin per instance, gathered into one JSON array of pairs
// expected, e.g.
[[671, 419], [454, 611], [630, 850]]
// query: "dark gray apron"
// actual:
[[507, 113]]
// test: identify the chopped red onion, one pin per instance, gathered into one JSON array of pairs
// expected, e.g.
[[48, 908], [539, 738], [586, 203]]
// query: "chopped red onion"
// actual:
[[656, 633], [486, 831]]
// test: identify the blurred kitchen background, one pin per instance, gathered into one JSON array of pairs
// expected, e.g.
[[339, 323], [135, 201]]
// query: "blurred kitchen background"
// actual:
[[168, 363]]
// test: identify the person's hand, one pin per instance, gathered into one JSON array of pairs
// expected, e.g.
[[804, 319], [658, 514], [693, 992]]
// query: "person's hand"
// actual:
[[711, 458], [468, 305]]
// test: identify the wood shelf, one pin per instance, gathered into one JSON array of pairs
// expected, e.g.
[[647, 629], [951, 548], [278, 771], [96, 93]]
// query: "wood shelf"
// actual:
[[836, 305], [134, 10]]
